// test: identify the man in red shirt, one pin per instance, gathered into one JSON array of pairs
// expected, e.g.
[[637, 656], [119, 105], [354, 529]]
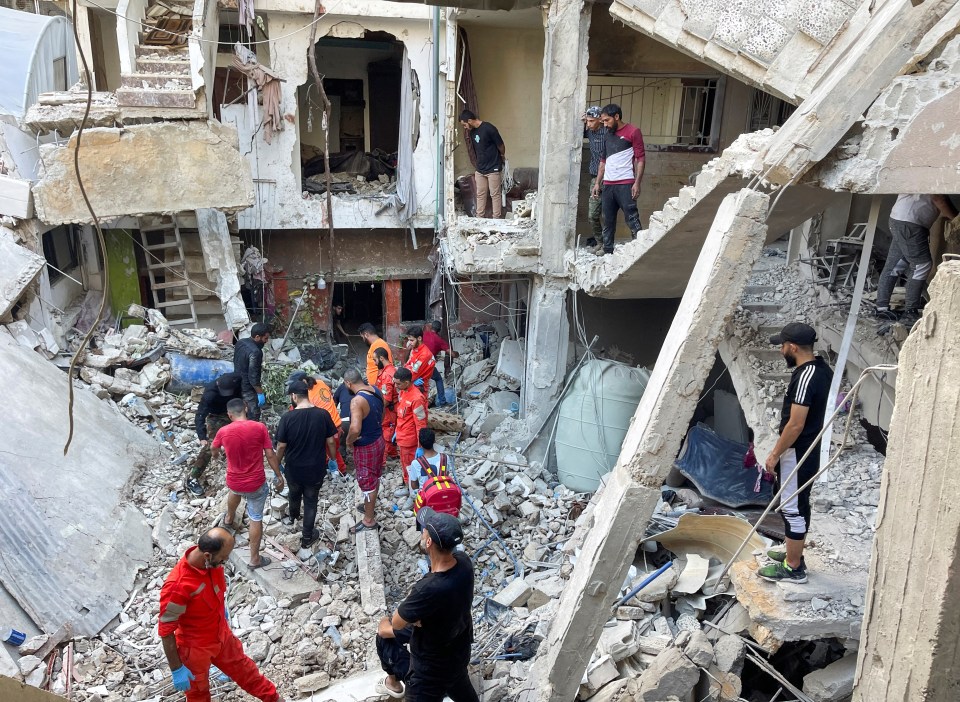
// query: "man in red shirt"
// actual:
[[621, 170], [246, 442], [421, 361], [385, 371], [194, 627], [437, 345], [411, 418]]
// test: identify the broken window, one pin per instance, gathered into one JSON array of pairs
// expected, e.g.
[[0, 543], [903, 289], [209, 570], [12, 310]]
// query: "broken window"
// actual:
[[362, 79], [673, 112], [767, 111], [60, 250], [413, 299]]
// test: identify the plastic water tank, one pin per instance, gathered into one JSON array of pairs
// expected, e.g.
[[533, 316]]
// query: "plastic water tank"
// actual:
[[593, 420], [187, 372]]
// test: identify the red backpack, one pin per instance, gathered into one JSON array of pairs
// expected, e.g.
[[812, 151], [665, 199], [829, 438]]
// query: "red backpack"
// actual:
[[439, 491]]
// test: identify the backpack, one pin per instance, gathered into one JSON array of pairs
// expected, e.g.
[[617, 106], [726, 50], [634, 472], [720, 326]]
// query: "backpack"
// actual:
[[439, 491]]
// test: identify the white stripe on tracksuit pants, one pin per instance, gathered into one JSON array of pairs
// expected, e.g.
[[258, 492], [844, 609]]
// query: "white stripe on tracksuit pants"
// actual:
[[796, 509]]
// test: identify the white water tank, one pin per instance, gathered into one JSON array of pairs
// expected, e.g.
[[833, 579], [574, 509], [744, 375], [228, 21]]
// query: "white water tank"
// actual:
[[593, 420]]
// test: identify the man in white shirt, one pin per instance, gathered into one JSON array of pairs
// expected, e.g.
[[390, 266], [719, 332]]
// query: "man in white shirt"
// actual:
[[910, 222], [415, 470]]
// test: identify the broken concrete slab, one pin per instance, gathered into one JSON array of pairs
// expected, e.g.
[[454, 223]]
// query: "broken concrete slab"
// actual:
[[284, 581], [195, 165], [221, 265], [515, 594], [671, 676], [73, 513], [693, 576], [630, 497], [833, 683], [19, 267], [358, 688], [510, 361]]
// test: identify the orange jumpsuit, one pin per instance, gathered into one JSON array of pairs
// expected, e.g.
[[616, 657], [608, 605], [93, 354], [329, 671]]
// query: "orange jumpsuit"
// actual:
[[411, 418], [372, 364], [389, 391], [192, 609], [421, 363], [320, 396]]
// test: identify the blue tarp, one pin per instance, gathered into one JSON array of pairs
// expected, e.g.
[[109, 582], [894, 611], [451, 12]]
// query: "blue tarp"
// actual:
[[715, 466]]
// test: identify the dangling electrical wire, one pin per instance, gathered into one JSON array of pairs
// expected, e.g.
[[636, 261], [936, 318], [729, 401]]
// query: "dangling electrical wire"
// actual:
[[96, 223]]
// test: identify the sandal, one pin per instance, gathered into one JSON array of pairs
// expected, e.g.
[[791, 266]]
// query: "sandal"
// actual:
[[264, 561], [382, 689], [360, 526], [222, 522]]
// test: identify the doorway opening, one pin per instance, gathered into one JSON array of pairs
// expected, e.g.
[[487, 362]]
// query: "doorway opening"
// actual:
[[413, 299], [362, 302]]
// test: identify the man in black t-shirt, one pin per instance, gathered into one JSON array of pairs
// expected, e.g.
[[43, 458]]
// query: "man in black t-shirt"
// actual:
[[436, 616], [801, 420], [305, 443], [491, 154]]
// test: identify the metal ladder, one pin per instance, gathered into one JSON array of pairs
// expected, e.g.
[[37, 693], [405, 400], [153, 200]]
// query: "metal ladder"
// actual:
[[173, 272]]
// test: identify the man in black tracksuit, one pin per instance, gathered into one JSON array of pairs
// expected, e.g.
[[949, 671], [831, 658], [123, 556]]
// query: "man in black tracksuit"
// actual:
[[248, 363], [801, 420], [211, 417]]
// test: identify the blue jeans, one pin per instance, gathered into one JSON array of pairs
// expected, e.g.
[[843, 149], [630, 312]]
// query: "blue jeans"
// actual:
[[438, 378]]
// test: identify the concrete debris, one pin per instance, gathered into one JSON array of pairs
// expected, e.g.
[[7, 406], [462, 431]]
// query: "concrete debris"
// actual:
[[19, 267], [833, 683], [729, 651], [672, 675]]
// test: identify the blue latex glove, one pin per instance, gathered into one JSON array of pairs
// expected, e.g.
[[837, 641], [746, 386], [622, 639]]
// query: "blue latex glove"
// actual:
[[226, 612], [261, 399], [418, 453], [418, 382], [182, 677], [332, 466], [394, 439]]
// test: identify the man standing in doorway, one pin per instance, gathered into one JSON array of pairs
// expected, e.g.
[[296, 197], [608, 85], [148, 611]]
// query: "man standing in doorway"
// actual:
[[910, 222], [248, 362], [439, 610], [194, 627], [421, 361], [365, 438], [306, 445], [491, 155], [246, 443], [437, 345], [620, 172], [385, 384], [211, 417], [369, 334], [801, 420], [411, 418], [596, 134]]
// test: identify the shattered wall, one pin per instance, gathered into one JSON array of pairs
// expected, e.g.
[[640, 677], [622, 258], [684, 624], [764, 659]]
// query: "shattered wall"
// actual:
[[150, 168], [281, 203]]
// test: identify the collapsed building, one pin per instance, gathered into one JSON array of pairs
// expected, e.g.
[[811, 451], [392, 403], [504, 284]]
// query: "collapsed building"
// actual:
[[233, 182]]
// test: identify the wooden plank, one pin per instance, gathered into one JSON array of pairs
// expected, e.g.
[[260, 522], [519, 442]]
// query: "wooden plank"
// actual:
[[16, 200]]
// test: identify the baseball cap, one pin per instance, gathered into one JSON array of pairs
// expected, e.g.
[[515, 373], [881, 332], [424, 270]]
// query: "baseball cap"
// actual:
[[294, 377], [795, 333], [593, 112], [443, 528], [297, 387], [228, 383]]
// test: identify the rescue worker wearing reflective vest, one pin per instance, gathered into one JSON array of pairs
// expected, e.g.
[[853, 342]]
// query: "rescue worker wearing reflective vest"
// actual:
[[385, 372], [411, 418], [194, 625], [318, 392], [421, 361]]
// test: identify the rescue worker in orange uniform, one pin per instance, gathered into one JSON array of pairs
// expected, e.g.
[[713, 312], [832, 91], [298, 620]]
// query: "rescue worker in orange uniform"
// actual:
[[369, 334], [411, 418], [421, 361], [194, 626], [385, 372], [318, 392]]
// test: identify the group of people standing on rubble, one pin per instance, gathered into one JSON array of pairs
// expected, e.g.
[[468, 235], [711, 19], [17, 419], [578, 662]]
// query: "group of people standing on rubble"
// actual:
[[424, 647]]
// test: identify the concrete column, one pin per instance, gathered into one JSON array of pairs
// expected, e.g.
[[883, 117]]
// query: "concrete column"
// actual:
[[547, 348], [910, 646], [658, 428], [566, 26], [391, 311]]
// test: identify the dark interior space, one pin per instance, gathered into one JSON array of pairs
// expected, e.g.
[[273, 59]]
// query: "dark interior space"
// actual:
[[362, 302], [413, 299], [634, 328]]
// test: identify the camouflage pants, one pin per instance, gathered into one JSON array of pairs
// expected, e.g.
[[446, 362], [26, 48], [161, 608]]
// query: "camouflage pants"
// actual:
[[214, 423]]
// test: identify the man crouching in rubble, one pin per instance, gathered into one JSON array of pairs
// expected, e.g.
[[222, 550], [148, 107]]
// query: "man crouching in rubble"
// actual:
[[801, 421], [194, 627]]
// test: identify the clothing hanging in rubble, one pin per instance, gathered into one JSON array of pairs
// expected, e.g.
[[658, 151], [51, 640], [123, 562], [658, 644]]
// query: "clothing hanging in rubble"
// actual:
[[267, 82]]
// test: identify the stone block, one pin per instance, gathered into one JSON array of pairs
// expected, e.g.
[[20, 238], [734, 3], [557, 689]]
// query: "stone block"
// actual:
[[671, 675], [619, 641], [599, 674], [833, 683], [313, 682], [729, 652], [698, 649], [515, 594]]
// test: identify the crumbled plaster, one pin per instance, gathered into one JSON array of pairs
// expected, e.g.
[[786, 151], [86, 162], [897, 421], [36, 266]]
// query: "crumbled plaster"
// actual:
[[490, 246], [150, 168], [908, 141]]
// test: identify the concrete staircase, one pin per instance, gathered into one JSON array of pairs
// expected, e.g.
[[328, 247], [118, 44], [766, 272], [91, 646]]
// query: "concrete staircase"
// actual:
[[162, 79]]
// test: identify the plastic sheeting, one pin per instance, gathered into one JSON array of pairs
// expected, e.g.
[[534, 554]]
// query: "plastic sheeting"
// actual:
[[715, 466], [404, 201], [32, 45]]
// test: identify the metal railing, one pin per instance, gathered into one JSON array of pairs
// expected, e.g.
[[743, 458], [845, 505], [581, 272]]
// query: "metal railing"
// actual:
[[674, 113]]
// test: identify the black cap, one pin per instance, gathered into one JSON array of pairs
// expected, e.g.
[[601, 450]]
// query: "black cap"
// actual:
[[795, 333], [294, 377], [228, 384], [443, 528], [297, 387]]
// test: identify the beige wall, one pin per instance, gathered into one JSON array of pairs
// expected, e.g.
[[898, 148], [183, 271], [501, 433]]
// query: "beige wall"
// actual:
[[508, 74], [111, 53]]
